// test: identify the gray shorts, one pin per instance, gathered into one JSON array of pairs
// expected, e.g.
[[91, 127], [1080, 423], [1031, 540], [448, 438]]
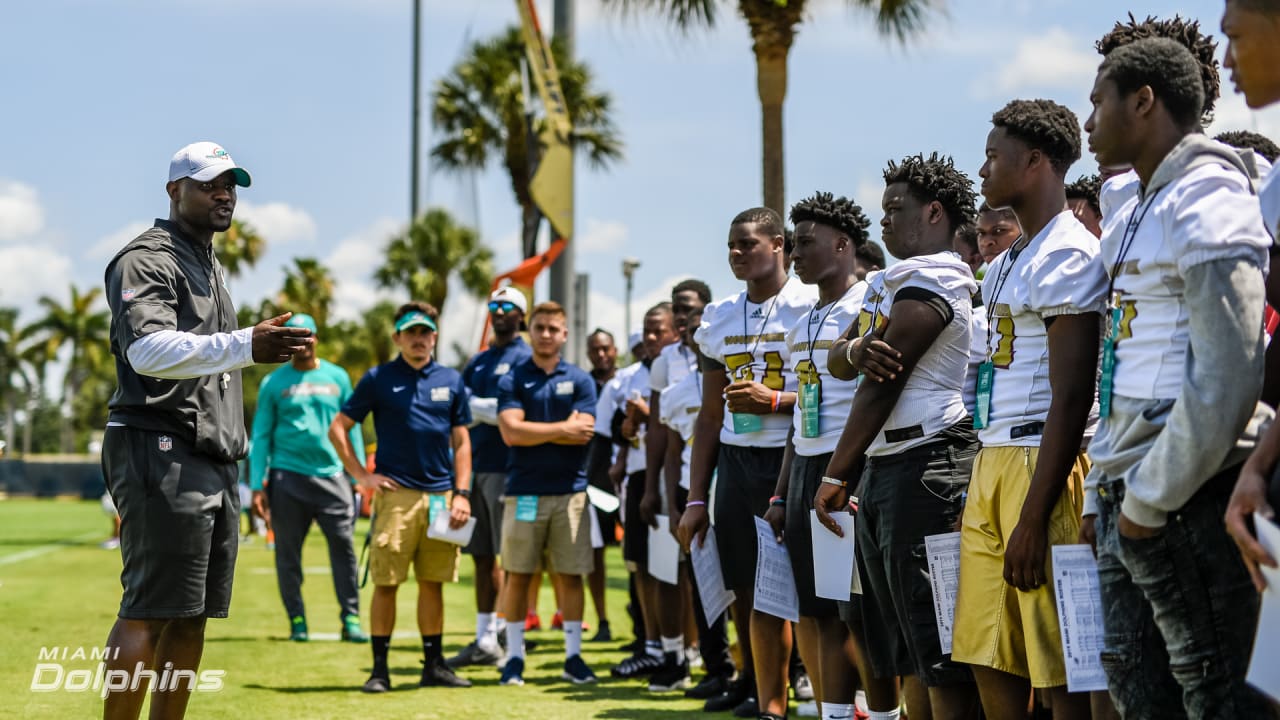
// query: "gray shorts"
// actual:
[[179, 524], [487, 490]]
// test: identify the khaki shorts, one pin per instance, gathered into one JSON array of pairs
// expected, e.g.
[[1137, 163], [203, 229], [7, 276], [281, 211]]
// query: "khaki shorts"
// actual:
[[400, 539], [997, 625], [561, 528]]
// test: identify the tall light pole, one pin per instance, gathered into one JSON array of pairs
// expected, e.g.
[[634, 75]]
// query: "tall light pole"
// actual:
[[629, 266], [562, 270], [416, 111]]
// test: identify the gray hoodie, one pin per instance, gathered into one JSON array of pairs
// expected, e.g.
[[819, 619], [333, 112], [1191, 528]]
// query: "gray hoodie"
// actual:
[[1166, 449]]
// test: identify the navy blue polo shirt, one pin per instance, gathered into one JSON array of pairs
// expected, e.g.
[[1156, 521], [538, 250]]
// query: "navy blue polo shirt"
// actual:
[[482, 374], [547, 469], [414, 413]]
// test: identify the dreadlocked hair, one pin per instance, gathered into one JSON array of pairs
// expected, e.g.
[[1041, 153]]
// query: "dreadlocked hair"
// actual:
[[1087, 187], [936, 178], [840, 213], [1186, 33], [1043, 125], [1260, 144]]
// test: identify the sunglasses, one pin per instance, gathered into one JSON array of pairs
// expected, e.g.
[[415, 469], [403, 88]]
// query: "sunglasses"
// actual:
[[504, 305]]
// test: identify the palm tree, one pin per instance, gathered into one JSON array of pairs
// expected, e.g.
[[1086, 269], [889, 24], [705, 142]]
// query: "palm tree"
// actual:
[[239, 248], [13, 376], [421, 259], [480, 111], [308, 288], [357, 345], [773, 26], [86, 331]]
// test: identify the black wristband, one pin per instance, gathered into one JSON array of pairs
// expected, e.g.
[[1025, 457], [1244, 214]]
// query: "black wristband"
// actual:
[[463, 492]]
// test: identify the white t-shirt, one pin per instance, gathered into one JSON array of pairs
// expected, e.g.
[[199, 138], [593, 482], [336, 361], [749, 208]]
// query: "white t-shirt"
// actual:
[[977, 354], [1269, 201], [1205, 215], [680, 404], [672, 364], [931, 401], [818, 329], [637, 386], [748, 339], [1057, 273]]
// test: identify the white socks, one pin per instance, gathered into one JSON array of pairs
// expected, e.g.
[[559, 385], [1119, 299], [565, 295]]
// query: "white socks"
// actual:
[[836, 711], [673, 644], [486, 630], [572, 638], [885, 714], [515, 640], [860, 702]]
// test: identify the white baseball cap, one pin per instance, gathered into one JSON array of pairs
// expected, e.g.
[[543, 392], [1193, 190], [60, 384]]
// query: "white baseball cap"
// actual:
[[204, 161], [635, 338], [511, 294]]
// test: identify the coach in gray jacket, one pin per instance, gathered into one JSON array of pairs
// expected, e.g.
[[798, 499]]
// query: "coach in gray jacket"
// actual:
[[175, 431]]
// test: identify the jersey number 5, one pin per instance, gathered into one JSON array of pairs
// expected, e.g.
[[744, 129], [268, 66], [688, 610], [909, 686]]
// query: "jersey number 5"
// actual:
[[739, 366]]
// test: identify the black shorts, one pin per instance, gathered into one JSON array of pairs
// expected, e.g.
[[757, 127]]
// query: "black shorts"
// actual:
[[806, 476], [745, 480], [179, 524], [635, 533], [904, 498]]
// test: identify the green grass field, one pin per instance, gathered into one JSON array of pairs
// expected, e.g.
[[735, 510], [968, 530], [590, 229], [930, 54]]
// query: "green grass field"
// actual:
[[59, 589]]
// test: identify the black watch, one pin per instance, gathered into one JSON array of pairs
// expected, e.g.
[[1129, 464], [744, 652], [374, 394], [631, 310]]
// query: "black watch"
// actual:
[[466, 493]]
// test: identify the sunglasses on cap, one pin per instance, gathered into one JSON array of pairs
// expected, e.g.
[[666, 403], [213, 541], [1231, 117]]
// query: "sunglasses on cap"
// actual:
[[505, 306]]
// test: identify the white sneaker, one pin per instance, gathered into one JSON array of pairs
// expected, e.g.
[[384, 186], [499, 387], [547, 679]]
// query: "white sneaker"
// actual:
[[807, 709]]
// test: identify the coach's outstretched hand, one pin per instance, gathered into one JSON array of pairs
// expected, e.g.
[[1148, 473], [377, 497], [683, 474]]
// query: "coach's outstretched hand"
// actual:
[[275, 343]]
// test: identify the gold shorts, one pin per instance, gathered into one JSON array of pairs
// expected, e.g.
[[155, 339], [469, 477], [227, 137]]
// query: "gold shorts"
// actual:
[[561, 528], [400, 519], [997, 625]]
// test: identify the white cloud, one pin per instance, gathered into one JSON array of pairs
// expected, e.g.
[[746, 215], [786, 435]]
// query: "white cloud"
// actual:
[[113, 241], [352, 263], [1053, 60], [278, 223], [21, 215], [32, 270], [1231, 113], [602, 236]]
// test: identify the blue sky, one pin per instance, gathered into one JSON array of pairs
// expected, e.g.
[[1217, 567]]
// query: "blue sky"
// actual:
[[312, 96]]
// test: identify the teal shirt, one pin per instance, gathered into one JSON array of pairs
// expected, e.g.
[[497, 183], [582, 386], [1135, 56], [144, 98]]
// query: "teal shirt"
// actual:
[[291, 427]]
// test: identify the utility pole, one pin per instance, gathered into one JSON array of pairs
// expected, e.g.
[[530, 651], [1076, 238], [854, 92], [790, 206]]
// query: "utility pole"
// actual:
[[416, 104], [562, 270], [629, 267]]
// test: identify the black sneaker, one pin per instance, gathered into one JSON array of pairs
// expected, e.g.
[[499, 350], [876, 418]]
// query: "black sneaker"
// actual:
[[709, 687], [473, 654], [376, 684], [602, 634], [436, 673], [733, 696], [748, 708], [671, 676], [634, 647], [577, 672], [636, 666]]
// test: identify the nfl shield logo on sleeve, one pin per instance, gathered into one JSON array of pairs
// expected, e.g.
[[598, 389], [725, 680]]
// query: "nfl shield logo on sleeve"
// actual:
[[166, 443], [127, 294]]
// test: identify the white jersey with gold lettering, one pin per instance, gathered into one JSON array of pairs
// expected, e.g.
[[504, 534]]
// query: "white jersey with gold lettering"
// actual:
[[932, 399], [1208, 214], [679, 406], [807, 346], [1056, 273], [748, 339]]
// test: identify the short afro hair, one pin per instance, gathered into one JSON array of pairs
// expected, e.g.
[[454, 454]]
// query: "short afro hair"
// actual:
[[935, 178], [699, 288], [1167, 68], [1043, 125], [767, 218], [1087, 188], [870, 253], [1186, 33], [1005, 213], [1260, 144], [1266, 7], [840, 213], [968, 234]]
